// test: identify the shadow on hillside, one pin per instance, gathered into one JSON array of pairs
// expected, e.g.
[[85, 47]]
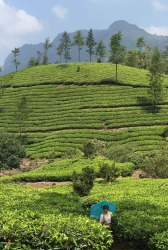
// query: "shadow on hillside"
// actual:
[[137, 215], [145, 105], [47, 201], [63, 66]]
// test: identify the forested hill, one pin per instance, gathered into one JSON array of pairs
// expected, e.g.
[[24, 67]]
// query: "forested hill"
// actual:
[[130, 34]]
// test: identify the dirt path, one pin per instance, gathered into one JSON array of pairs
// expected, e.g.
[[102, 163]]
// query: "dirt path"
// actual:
[[43, 184]]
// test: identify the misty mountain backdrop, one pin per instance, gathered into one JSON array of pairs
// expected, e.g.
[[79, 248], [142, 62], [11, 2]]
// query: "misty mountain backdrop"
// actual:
[[130, 34]]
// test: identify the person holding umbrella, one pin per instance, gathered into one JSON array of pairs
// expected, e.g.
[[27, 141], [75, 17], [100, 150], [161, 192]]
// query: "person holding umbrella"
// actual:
[[106, 216]]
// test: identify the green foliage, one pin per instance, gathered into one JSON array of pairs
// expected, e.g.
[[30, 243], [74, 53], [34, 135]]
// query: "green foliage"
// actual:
[[47, 45], [32, 231], [109, 172], [155, 91], [62, 170], [21, 114], [89, 150], [65, 42], [33, 62], [73, 153], [141, 210], [10, 151], [79, 41], [90, 43], [16, 52], [140, 218], [156, 163], [83, 183], [136, 159], [120, 153], [159, 241], [94, 148], [165, 133], [100, 51], [83, 105]]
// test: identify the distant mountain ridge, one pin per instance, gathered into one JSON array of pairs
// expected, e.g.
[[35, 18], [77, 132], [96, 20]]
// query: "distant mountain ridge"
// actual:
[[130, 34]]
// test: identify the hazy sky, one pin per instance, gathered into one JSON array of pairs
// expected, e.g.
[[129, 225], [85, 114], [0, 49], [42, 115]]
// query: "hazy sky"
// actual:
[[32, 21]]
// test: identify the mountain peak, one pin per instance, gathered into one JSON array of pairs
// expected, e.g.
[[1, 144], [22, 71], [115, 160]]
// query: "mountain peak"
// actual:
[[123, 26]]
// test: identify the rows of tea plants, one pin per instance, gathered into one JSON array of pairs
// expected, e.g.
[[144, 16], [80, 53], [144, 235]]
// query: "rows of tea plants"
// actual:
[[142, 210], [62, 170], [57, 143], [47, 219], [54, 217], [83, 110], [77, 73]]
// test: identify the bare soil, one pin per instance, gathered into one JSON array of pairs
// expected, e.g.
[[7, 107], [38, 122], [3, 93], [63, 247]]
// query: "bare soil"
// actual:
[[43, 184]]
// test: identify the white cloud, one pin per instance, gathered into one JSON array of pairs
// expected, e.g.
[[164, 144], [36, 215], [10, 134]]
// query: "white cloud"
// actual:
[[161, 31], [15, 25], [158, 6], [60, 11]]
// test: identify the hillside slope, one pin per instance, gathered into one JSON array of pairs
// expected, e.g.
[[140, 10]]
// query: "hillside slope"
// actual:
[[71, 105]]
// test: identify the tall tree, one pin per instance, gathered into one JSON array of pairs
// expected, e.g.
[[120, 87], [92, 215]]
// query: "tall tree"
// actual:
[[16, 52], [165, 57], [100, 51], [90, 43], [79, 41], [131, 58], [117, 51], [47, 45], [65, 43], [21, 114], [60, 51], [140, 45], [155, 90]]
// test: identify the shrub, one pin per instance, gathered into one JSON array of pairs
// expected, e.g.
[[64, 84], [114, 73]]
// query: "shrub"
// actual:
[[109, 172], [89, 150], [126, 170], [119, 153], [136, 159], [159, 241], [94, 147], [156, 164], [165, 133], [10, 151], [83, 183], [73, 153]]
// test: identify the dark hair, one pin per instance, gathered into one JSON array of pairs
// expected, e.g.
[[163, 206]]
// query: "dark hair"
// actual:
[[105, 207]]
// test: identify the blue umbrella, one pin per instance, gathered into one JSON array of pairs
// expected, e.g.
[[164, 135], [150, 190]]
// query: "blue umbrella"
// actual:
[[97, 209]]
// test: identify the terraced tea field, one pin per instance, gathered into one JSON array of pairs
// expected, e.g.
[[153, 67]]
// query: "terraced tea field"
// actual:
[[68, 108]]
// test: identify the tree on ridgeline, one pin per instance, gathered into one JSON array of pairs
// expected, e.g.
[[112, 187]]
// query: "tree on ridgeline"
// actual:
[[155, 90], [35, 61], [117, 51], [100, 51], [47, 46], [131, 58], [90, 43], [79, 41], [16, 53], [65, 44], [60, 52], [140, 45], [21, 114], [165, 57], [146, 56]]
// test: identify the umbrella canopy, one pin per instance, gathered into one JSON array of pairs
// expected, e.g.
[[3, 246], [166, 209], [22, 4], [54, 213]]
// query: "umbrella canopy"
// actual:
[[97, 209]]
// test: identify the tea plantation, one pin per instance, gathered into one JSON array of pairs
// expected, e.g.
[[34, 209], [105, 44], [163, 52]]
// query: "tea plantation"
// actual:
[[68, 106]]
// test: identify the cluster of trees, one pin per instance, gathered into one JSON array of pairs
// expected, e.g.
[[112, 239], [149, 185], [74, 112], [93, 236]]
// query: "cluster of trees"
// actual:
[[144, 57], [115, 53]]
